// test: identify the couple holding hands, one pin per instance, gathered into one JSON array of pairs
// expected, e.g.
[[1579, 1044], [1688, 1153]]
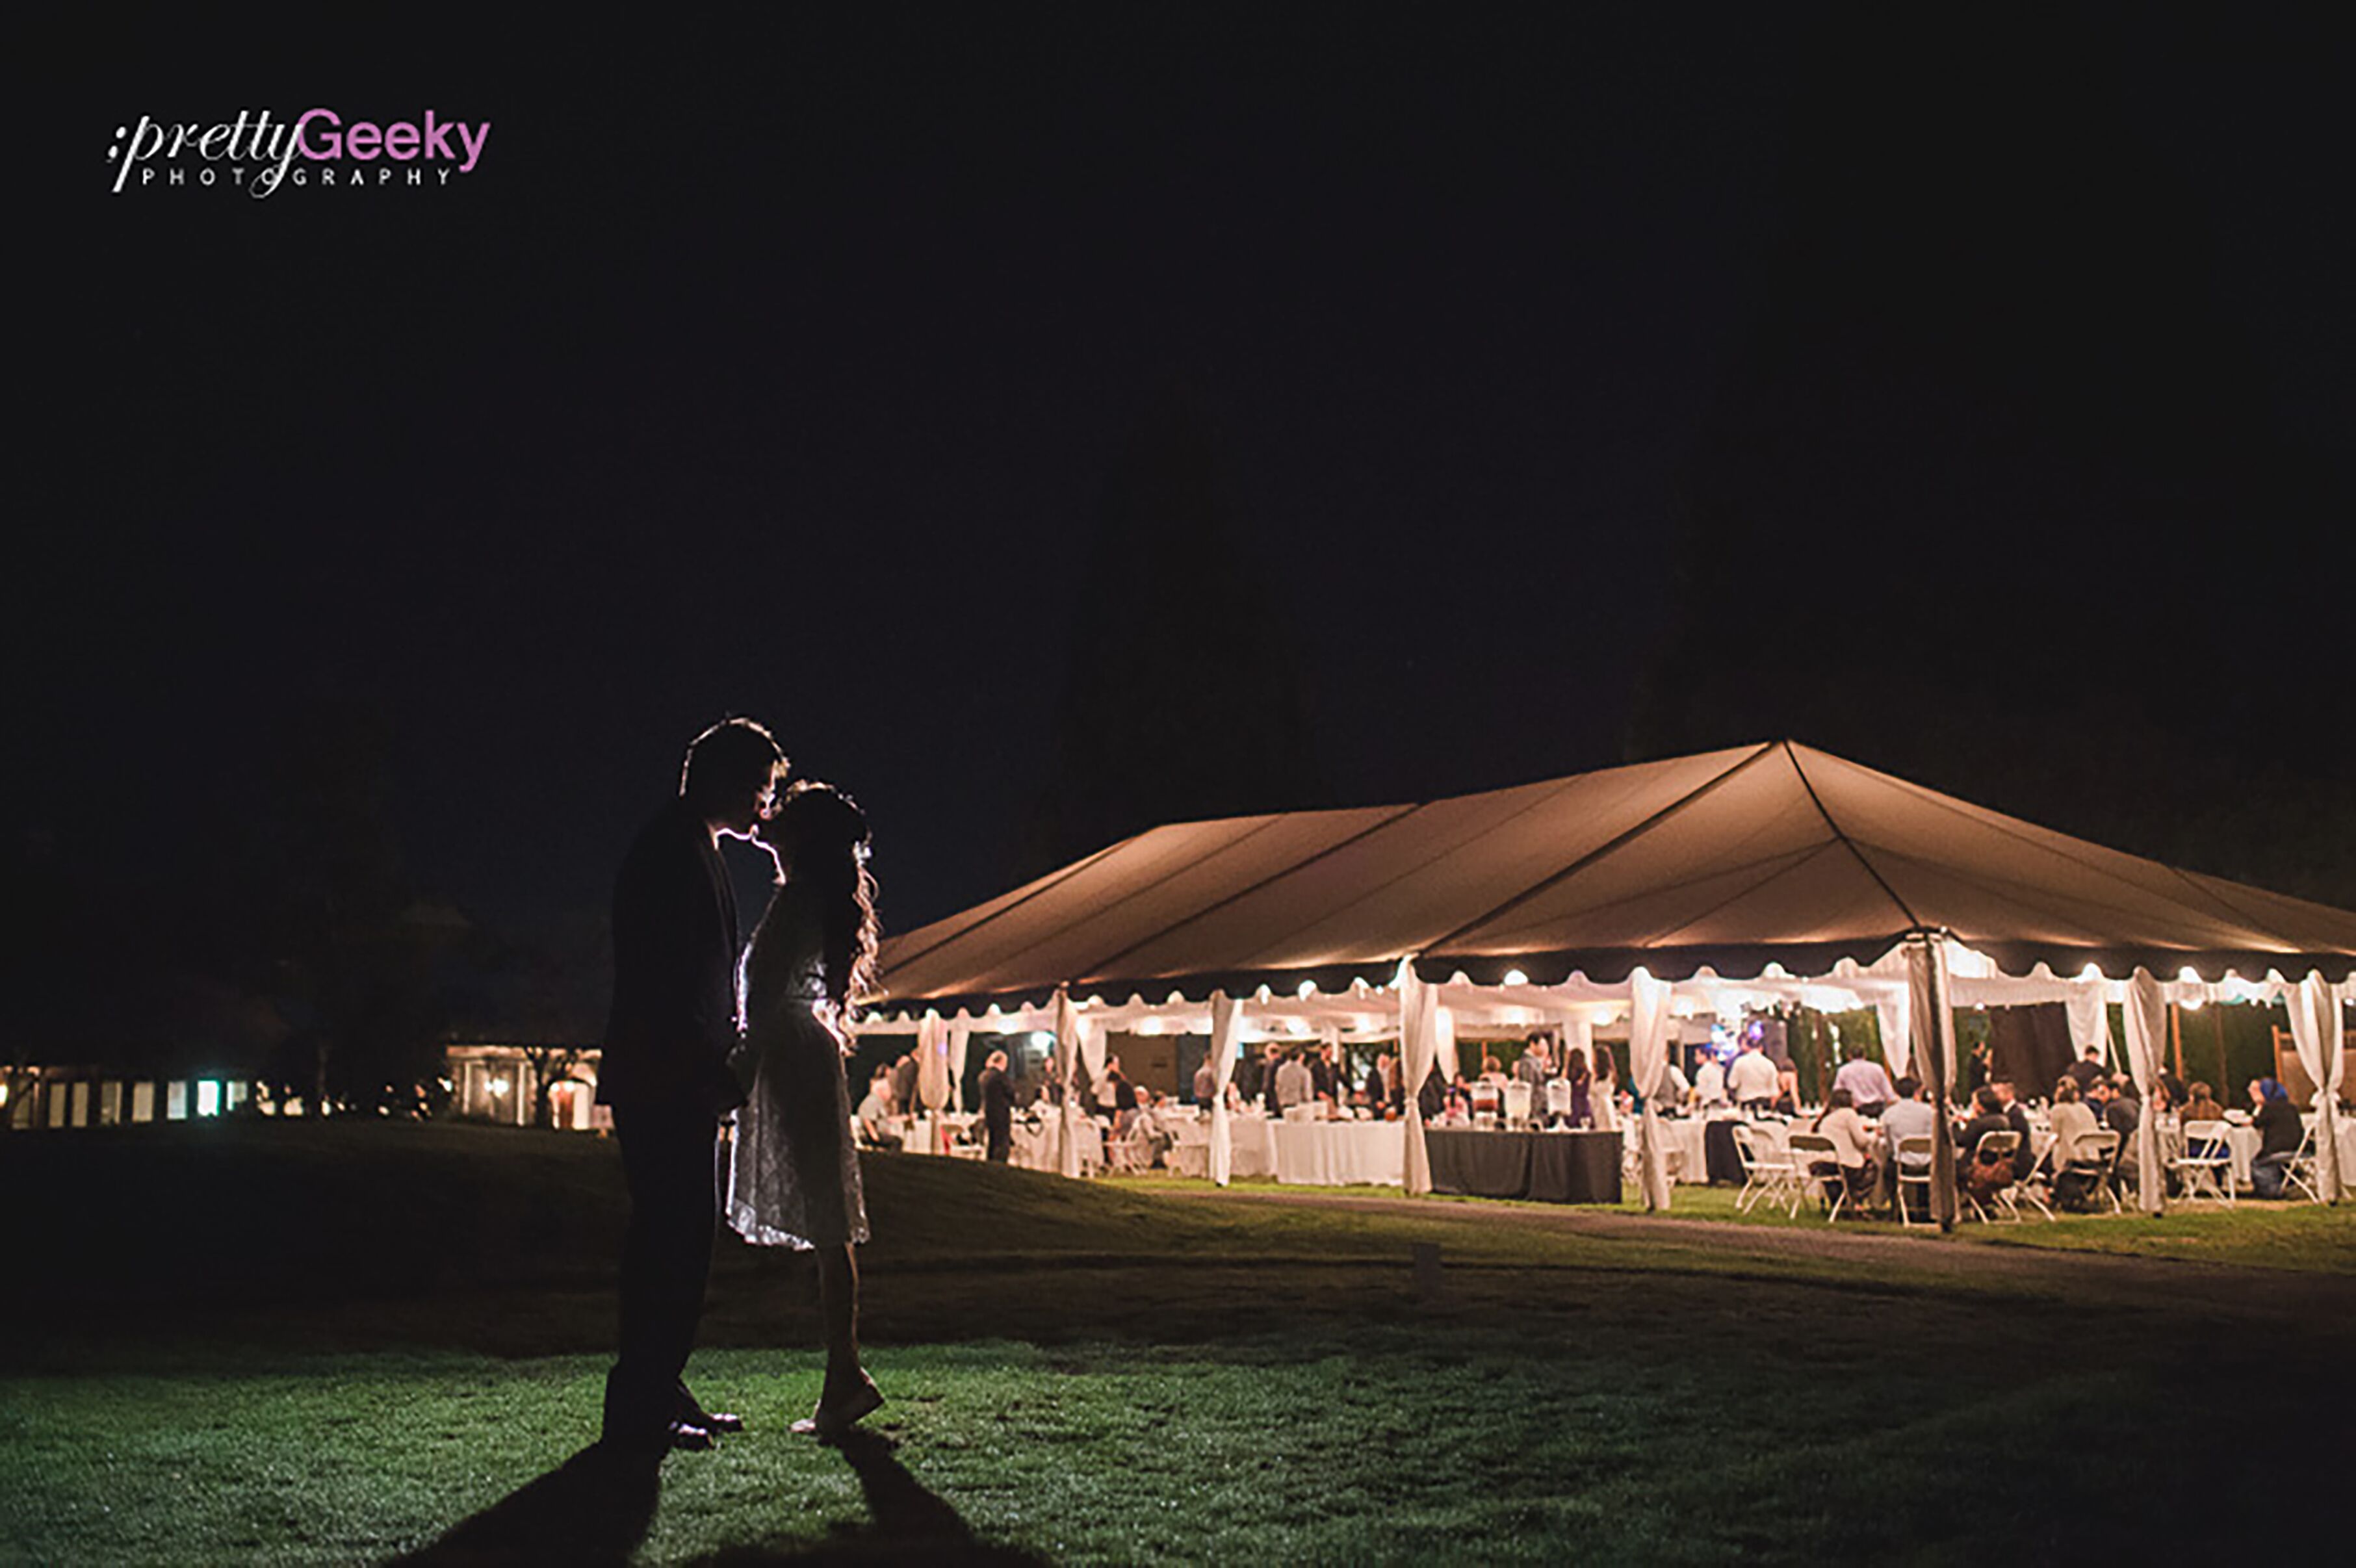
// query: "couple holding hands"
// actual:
[[677, 1063]]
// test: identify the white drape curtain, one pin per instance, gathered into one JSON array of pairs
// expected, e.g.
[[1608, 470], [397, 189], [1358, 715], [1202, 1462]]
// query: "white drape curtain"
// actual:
[[1418, 1044], [2145, 1018], [1227, 1025], [1931, 1024], [2089, 1017], [2315, 1030], [960, 1041], [1443, 1036], [933, 1064], [1067, 1050], [1648, 1055], [1896, 1017]]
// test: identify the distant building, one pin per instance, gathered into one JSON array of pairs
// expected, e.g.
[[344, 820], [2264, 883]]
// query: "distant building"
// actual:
[[47, 1096]]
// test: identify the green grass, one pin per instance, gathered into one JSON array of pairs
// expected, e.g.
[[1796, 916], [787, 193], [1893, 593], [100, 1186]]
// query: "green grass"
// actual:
[[1114, 1373]]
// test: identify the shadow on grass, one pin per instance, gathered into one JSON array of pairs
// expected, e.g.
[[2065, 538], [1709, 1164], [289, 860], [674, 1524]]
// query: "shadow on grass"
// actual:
[[595, 1507], [909, 1522]]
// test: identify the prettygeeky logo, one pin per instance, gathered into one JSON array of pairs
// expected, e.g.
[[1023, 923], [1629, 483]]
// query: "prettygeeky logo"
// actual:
[[257, 154]]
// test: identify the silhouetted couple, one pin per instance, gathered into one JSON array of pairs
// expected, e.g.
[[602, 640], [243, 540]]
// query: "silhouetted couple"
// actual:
[[677, 1064]]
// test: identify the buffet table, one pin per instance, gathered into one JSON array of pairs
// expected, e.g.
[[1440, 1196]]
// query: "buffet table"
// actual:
[[1340, 1154], [1552, 1167]]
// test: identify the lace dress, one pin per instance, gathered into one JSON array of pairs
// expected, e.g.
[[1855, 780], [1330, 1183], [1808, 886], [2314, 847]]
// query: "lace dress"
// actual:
[[793, 1172]]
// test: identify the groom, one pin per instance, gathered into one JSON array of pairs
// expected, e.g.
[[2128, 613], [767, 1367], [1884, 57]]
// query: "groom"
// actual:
[[664, 1073]]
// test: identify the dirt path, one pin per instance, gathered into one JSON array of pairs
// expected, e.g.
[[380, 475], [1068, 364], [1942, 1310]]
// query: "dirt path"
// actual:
[[2313, 1301]]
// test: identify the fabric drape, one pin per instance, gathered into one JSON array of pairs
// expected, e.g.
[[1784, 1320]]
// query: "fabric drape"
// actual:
[[1227, 1025], [1444, 1036], [1067, 1050], [1648, 1056], [2315, 1031], [1931, 1021], [960, 1041], [2145, 1019], [2089, 1019], [1896, 1017], [1418, 1042], [933, 1064]]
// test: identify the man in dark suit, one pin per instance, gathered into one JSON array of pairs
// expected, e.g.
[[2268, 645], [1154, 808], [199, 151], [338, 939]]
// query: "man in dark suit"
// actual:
[[665, 1073], [996, 1108]]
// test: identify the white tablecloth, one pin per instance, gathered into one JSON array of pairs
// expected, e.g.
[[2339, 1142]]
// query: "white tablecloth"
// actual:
[[1340, 1154], [1041, 1147], [1688, 1135]]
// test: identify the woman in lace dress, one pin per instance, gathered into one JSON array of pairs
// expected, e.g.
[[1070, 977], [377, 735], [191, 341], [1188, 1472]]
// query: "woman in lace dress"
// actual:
[[793, 1171]]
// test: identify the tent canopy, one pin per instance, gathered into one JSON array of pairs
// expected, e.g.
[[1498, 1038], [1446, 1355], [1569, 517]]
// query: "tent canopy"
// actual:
[[1730, 860]]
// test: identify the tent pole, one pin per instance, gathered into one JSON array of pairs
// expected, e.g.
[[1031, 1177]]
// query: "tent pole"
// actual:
[[1934, 1036]]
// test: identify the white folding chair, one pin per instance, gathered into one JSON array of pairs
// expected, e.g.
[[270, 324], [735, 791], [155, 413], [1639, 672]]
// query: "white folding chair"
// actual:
[[1811, 1153], [2004, 1147], [2206, 1161], [1910, 1173], [2098, 1158], [1766, 1176], [2301, 1172]]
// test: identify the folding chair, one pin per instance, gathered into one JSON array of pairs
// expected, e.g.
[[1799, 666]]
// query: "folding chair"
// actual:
[[1766, 1177], [1810, 1150], [2301, 1172], [2098, 1156], [1911, 1174], [2004, 1147], [2206, 1161]]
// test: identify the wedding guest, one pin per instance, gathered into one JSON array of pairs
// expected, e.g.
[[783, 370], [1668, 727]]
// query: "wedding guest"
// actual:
[[875, 1109], [1322, 1082], [1751, 1081], [1431, 1100], [1867, 1081], [1787, 1093], [904, 1086], [997, 1109], [1582, 1088], [1909, 1116], [1206, 1082], [2073, 1123], [1606, 1093], [1982, 1180], [1852, 1145], [1265, 1090], [2201, 1105], [2280, 1133], [2086, 1069], [1981, 1069], [1708, 1081], [1294, 1083], [1535, 1066], [2016, 1115]]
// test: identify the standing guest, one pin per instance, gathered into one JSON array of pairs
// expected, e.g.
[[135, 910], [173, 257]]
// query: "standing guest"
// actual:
[[1708, 1081], [904, 1086], [1271, 1061], [1206, 1082], [1867, 1081], [1751, 1081], [1379, 1080], [996, 1108], [2280, 1133], [1431, 1100], [1119, 1093], [1909, 1116], [1852, 1145], [1981, 1070], [1606, 1093], [1535, 1066], [1294, 1083], [1490, 1072], [1582, 1087], [2086, 1069], [1787, 1092], [667, 1074]]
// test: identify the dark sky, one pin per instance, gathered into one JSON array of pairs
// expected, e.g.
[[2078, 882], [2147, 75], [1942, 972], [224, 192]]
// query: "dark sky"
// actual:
[[779, 366]]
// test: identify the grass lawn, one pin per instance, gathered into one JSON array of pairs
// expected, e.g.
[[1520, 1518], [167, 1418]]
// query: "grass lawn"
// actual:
[[347, 1343]]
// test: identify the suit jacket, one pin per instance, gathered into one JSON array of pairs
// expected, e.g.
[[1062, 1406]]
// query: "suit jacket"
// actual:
[[997, 1102], [672, 1027]]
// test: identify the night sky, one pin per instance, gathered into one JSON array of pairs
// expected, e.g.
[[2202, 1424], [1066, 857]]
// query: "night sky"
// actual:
[[780, 366]]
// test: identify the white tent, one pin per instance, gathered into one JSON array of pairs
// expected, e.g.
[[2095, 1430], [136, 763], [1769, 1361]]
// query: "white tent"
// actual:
[[1702, 884]]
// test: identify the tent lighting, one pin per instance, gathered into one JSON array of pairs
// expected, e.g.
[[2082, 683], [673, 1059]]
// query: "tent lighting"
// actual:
[[1308, 989], [1516, 977]]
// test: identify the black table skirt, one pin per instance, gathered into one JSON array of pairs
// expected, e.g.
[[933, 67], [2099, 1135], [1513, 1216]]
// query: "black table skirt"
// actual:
[[1554, 1168]]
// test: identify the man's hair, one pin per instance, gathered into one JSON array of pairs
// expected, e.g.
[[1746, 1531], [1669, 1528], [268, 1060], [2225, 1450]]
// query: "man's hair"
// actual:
[[1909, 1086], [735, 757], [1987, 1098]]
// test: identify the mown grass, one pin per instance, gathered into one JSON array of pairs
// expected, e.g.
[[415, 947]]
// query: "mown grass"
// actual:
[[1105, 1372]]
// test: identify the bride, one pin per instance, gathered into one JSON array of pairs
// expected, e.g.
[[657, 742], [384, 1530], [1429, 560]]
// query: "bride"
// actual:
[[793, 1173]]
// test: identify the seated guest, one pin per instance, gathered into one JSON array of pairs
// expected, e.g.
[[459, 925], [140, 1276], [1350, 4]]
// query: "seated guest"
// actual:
[[1852, 1145], [2024, 1159], [1751, 1081], [2120, 1111], [1983, 1182], [1868, 1082], [1910, 1116], [2074, 1124], [2201, 1105], [2280, 1132], [875, 1110], [1490, 1072]]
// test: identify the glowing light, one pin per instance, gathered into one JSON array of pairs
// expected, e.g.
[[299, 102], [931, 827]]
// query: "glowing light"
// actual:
[[1516, 977], [2090, 972], [1308, 989], [498, 1088], [207, 1097], [2188, 974]]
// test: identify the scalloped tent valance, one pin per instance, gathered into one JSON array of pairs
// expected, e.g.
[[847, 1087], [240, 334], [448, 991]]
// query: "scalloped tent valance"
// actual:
[[1730, 860]]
